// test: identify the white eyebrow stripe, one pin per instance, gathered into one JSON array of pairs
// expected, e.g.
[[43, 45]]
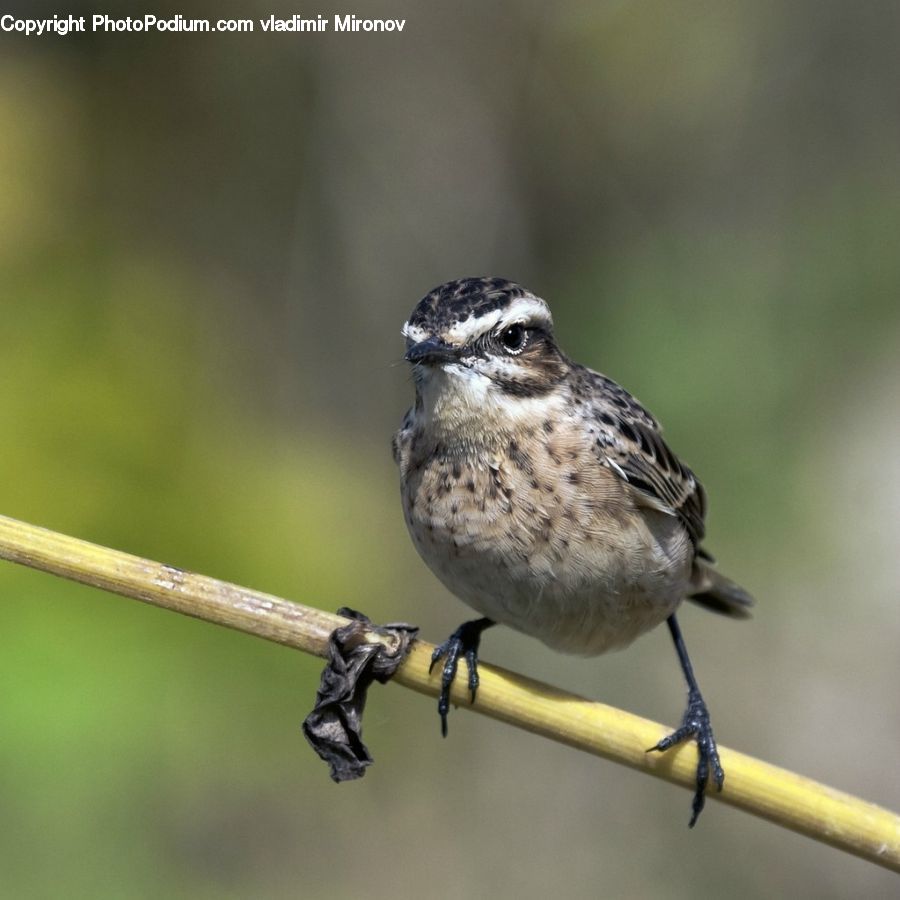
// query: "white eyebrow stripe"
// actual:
[[524, 309], [461, 333], [413, 332]]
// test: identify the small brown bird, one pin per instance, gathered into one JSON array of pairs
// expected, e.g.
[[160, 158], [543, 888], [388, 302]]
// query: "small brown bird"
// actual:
[[542, 494]]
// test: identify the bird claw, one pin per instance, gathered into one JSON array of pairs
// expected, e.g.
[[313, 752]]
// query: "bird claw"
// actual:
[[696, 725], [462, 643]]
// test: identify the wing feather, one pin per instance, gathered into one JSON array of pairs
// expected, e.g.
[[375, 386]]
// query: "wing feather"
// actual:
[[630, 443]]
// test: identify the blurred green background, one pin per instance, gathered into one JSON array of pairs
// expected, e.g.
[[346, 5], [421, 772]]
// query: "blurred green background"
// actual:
[[208, 244]]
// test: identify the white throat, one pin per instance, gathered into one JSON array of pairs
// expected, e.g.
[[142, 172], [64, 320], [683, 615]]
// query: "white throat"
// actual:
[[462, 404]]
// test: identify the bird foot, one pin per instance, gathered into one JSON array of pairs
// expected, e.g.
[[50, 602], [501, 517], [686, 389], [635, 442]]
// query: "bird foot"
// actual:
[[462, 643], [696, 725]]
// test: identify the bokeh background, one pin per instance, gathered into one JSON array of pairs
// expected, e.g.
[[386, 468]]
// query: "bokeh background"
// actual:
[[208, 244]]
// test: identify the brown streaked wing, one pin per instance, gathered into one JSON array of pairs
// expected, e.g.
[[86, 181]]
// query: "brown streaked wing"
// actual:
[[632, 446]]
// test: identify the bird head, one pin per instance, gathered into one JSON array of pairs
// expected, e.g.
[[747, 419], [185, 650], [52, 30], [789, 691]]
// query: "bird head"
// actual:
[[483, 353]]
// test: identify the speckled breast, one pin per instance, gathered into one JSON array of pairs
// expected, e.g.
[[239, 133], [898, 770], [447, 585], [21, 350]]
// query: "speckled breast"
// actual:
[[537, 535]]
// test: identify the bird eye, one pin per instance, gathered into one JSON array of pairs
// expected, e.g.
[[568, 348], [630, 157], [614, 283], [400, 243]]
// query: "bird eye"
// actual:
[[514, 338]]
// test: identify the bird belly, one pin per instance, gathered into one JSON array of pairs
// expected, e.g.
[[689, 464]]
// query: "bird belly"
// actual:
[[576, 565]]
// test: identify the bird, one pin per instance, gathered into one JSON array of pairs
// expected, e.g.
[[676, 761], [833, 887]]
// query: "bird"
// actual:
[[543, 495]]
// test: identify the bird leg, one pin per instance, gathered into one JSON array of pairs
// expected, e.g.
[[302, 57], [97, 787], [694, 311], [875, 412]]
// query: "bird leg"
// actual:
[[695, 724], [463, 642]]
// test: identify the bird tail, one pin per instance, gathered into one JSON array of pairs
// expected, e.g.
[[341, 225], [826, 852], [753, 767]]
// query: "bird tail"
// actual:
[[713, 590]]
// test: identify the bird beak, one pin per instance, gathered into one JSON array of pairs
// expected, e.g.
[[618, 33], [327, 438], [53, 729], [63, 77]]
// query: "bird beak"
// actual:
[[431, 351]]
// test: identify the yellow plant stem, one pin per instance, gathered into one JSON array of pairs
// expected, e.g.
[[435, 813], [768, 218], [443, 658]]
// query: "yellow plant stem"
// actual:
[[775, 794]]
